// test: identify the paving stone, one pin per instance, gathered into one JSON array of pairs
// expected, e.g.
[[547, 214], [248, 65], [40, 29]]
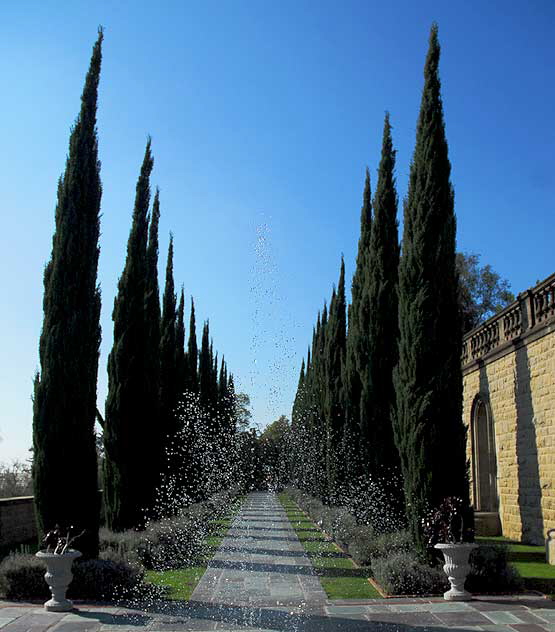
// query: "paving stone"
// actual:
[[77, 626], [449, 607], [472, 617], [412, 618], [347, 610], [501, 617], [547, 614]]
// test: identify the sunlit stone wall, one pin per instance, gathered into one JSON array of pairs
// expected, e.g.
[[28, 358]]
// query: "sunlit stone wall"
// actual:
[[509, 362]]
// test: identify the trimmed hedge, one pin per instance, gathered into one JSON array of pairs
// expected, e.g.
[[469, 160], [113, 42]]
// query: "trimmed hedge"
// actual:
[[365, 547], [108, 578], [173, 542], [491, 571], [118, 573], [393, 562], [403, 574], [22, 577]]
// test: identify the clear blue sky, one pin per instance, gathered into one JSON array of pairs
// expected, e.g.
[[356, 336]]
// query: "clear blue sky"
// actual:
[[263, 117]]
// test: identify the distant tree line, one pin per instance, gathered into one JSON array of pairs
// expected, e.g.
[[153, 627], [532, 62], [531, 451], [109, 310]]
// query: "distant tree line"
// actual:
[[152, 437]]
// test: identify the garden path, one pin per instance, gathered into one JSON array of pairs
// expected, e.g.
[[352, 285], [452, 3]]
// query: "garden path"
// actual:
[[261, 561]]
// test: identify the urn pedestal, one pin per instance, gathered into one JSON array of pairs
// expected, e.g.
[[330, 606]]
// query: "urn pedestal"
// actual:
[[58, 577], [456, 568]]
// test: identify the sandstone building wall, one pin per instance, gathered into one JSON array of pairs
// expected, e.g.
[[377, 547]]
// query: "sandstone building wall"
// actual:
[[509, 364]]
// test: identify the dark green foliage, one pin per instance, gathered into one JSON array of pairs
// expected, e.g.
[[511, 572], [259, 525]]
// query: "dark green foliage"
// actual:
[[356, 346], [169, 388], [334, 360], [380, 300], [131, 406], [429, 430], [64, 407]]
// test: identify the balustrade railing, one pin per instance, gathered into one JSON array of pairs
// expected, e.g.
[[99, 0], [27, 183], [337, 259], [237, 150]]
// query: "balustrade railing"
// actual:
[[531, 309]]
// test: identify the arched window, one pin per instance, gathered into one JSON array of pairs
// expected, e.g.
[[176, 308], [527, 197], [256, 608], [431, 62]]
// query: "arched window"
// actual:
[[484, 460]]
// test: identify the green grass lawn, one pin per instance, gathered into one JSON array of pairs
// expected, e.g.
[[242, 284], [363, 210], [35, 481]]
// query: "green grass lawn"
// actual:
[[180, 583], [338, 574], [530, 562]]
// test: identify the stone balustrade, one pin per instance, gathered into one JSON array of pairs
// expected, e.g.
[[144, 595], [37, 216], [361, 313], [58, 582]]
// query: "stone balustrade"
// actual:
[[531, 311]]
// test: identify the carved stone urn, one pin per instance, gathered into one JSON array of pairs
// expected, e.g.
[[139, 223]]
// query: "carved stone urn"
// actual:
[[456, 568], [58, 577]]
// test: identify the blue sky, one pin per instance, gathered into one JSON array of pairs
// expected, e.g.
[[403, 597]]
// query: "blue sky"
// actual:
[[263, 117]]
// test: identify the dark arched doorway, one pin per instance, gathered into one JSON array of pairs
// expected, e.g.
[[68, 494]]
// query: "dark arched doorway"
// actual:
[[484, 460]]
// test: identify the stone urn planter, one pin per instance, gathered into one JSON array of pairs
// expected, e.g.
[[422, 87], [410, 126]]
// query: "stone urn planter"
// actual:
[[58, 577], [456, 567]]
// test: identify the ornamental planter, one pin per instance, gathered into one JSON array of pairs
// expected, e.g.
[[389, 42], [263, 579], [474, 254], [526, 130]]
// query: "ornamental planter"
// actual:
[[456, 568], [58, 577]]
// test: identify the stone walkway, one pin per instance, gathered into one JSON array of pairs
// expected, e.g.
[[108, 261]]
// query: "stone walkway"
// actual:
[[261, 580]]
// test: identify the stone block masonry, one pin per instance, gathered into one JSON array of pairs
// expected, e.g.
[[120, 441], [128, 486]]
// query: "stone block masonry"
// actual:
[[509, 372]]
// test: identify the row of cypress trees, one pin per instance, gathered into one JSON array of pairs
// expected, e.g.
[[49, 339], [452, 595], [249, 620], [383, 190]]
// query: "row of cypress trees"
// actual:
[[385, 395], [148, 367], [149, 370]]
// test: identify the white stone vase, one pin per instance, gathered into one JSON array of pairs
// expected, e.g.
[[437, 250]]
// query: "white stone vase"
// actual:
[[58, 576], [456, 568]]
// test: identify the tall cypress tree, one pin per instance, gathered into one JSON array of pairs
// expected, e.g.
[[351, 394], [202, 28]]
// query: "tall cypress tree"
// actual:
[[192, 354], [297, 412], [319, 426], [168, 366], [205, 367], [222, 385], [356, 358], [152, 344], [334, 411], [214, 376], [429, 430], [64, 456], [298, 426], [378, 393], [130, 412], [313, 431], [180, 357]]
